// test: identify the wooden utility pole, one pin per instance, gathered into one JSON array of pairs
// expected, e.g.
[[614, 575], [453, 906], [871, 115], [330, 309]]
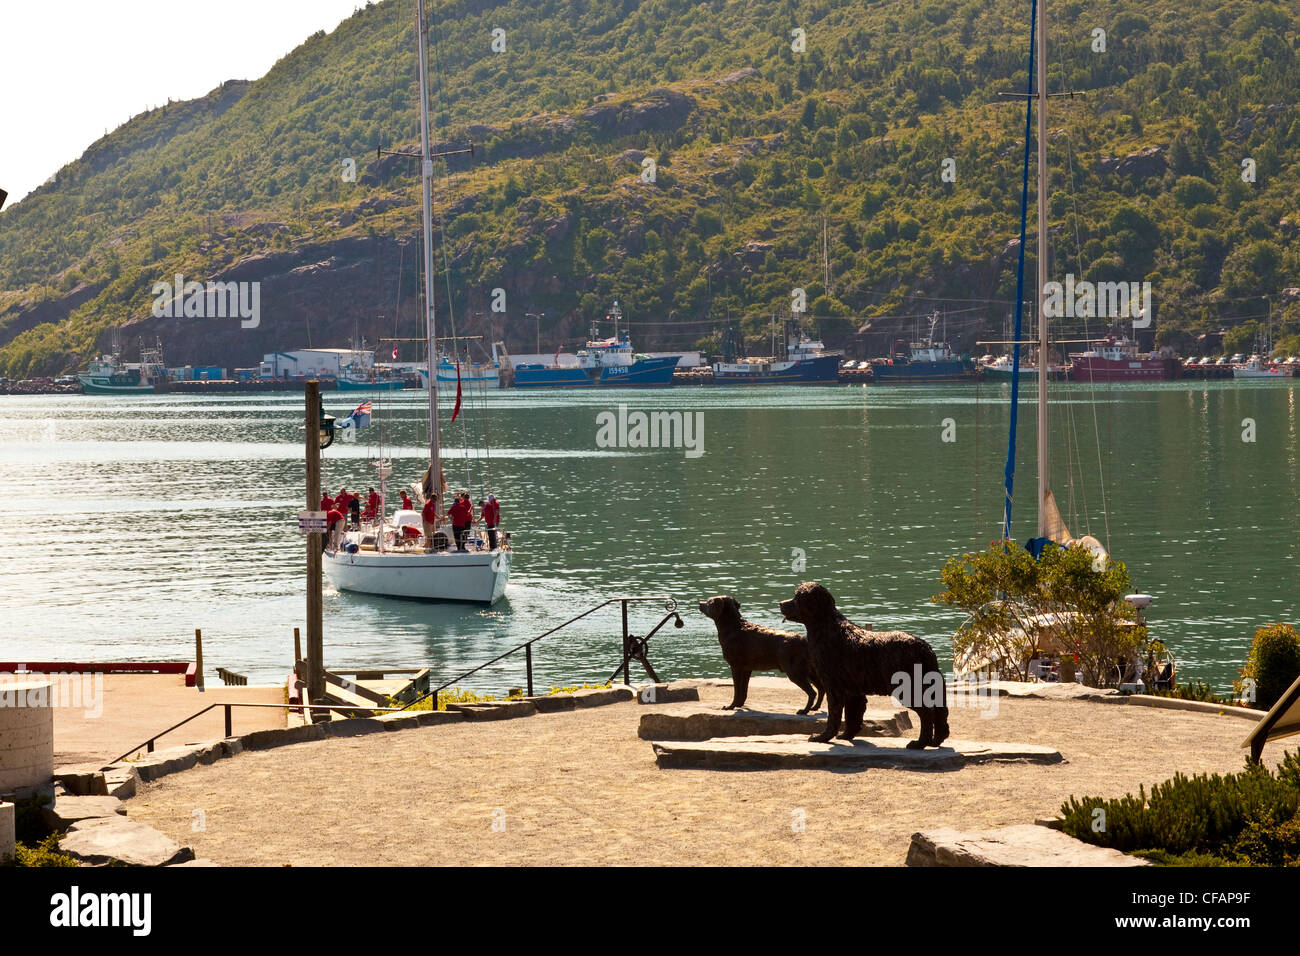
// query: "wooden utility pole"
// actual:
[[315, 642]]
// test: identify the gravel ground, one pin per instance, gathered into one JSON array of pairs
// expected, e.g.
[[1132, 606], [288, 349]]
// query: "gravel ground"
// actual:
[[582, 788]]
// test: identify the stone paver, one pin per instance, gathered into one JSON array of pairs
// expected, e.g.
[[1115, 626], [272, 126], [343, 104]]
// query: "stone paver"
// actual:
[[108, 839], [1024, 845]]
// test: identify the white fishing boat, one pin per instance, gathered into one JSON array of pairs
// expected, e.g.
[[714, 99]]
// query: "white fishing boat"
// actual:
[[479, 374], [1256, 368], [109, 375], [392, 556]]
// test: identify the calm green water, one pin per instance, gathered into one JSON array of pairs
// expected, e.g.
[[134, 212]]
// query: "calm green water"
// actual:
[[129, 522]]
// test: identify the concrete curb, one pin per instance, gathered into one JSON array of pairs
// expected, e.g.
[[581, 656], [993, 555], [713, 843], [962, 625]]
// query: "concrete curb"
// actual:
[[495, 710], [1195, 706]]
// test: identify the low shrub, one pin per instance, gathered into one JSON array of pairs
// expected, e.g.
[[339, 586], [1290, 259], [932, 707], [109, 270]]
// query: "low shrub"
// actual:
[[1196, 690], [576, 687], [454, 695], [44, 853], [1246, 818]]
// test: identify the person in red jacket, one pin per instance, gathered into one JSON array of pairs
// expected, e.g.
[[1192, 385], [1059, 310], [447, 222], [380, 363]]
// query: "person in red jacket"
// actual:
[[430, 515], [334, 518], [491, 515], [462, 516], [407, 505], [326, 502], [372, 506]]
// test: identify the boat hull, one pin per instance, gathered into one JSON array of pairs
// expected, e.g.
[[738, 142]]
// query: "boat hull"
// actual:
[[645, 373], [388, 386], [477, 577], [1134, 370], [104, 385], [822, 370], [448, 380], [925, 373]]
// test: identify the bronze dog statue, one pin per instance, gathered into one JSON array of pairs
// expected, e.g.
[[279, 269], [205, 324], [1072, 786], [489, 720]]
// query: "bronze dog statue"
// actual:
[[750, 647], [853, 662]]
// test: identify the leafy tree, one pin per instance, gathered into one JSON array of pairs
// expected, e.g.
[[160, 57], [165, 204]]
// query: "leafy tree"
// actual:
[[1063, 603]]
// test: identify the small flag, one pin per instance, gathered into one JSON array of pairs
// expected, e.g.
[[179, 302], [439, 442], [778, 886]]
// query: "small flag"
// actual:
[[394, 353], [456, 411]]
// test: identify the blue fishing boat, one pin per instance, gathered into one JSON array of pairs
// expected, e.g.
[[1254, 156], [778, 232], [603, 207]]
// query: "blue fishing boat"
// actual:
[[927, 362], [604, 363], [806, 362]]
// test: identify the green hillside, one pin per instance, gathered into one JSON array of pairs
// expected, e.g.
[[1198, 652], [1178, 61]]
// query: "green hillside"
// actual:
[[756, 146]]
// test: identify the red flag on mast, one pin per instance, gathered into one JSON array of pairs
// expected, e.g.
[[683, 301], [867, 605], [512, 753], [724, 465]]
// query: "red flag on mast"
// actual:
[[456, 410]]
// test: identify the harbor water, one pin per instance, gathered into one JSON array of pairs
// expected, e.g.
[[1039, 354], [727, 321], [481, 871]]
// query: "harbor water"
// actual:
[[128, 522]]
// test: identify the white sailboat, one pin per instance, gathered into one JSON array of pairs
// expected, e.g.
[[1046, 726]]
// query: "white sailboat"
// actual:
[[385, 558], [1050, 523], [1036, 629]]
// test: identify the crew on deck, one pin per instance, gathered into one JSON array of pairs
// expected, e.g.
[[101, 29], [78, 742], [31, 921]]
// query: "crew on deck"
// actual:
[[491, 515], [462, 516]]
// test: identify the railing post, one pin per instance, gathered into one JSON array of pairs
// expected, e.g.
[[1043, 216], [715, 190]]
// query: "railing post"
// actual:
[[627, 667], [228, 733], [198, 659], [528, 658]]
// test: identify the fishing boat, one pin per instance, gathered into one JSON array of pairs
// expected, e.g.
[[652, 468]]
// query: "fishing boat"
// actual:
[[371, 378], [108, 375], [806, 362], [1256, 368], [930, 361], [1116, 359], [466, 371], [604, 363], [391, 556]]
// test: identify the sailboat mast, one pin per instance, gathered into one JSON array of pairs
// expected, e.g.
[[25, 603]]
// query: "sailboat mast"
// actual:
[[431, 318], [1041, 91]]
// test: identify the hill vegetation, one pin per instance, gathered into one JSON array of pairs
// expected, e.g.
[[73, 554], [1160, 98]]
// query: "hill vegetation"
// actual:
[[774, 169]]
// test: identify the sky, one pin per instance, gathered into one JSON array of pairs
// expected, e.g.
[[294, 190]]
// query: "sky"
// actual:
[[73, 69]]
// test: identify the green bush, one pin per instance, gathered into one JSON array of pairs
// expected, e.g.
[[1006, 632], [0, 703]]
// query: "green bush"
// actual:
[[1246, 818], [1273, 665], [1017, 606], [44, 853]]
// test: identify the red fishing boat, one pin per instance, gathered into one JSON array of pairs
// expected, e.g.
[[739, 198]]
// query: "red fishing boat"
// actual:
[[1117, 360]]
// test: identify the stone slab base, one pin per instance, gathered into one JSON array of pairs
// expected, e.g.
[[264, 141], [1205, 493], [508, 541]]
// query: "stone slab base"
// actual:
[[789, 752], [703, 723]]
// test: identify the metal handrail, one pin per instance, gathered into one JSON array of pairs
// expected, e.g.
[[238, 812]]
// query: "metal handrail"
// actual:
[[148, 744], [670, 604], [632, 646]]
